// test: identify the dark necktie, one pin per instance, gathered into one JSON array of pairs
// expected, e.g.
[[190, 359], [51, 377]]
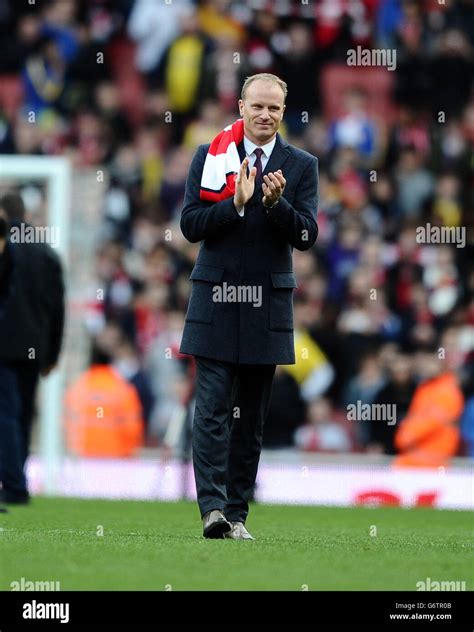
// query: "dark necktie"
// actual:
[[258, 164]]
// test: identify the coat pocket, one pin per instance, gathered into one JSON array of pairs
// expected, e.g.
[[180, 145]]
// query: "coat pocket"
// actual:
[[201, 304], [281, 301]]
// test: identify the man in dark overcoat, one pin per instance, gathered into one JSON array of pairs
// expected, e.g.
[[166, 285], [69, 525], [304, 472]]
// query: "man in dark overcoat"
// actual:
[[239, 323]]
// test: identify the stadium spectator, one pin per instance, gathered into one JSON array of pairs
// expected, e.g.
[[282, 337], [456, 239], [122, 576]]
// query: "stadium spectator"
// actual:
[[215, 19], [287, 411], [355, 128], [107, 100], [341, 258], [31, 332], [428, 436], [405, 272], [165, 367], [103, 416], [44, 77], [299, 63], [182, 71], [452, 66], [125, 359], [312, 371], [364, 387], [260, 49], [398, 392], [413, 78], [154, 25], [414, 181], [323, 433], [59, 21], [15, 51]]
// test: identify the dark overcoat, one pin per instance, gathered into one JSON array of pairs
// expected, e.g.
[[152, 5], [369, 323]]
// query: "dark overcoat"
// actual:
[[33, 314], [253, 322]]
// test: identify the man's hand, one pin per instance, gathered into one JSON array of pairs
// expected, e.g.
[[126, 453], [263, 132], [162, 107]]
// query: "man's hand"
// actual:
[[244, 185], [273, 186]]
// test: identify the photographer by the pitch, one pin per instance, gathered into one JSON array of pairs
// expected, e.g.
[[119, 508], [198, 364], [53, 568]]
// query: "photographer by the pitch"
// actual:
[[31, 331]]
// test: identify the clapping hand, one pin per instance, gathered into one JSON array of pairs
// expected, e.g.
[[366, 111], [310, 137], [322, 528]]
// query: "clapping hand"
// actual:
[[244, 185], [273, 186]]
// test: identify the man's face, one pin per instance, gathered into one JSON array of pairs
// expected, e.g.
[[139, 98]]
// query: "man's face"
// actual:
[[262, 111]]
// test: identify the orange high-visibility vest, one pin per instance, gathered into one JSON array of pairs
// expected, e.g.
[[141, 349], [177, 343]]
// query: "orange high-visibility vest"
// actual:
[[103, 415], [429, 435]]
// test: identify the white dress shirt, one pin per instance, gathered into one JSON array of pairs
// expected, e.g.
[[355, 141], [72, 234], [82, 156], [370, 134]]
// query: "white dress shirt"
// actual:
[[249, 152]]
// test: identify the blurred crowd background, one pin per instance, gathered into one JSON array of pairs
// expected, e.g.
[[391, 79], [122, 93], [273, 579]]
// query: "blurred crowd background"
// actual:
[[134, 86]]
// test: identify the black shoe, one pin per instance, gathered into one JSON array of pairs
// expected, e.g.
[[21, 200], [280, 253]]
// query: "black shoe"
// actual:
[[12, 498], [215, 524]]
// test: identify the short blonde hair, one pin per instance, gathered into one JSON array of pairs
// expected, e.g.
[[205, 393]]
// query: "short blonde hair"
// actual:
[[264, 76]]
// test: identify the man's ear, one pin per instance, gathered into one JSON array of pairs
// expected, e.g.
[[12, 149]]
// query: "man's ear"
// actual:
[[241, 106]]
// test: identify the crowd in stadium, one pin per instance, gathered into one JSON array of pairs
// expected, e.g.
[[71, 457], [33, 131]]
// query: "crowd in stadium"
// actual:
[[134, 86]]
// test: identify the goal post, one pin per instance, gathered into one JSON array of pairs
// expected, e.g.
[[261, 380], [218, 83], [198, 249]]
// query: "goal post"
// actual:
[[56, 173]]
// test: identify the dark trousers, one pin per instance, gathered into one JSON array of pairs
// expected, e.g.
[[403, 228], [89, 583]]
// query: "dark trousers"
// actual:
[[18, 382], [231, 406]]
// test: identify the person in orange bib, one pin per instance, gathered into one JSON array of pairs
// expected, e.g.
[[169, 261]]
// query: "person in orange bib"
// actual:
[[103, 415], [429, 434]]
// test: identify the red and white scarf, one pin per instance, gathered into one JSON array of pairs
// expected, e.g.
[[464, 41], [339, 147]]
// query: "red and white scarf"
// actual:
[[222, 164]]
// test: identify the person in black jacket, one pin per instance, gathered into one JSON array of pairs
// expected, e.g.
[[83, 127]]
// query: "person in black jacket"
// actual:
[[31, 331], [399, 392], [4, 264], [247, 242], [4, 278]]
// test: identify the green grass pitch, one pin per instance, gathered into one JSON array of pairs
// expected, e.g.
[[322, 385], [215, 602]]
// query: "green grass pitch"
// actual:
[[159, 546]]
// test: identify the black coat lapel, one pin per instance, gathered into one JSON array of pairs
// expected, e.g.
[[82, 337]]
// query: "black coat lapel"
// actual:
[[278, 157]]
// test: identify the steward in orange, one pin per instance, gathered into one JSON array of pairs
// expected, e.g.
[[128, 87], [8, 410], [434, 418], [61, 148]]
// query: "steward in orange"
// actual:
[[429, 434], [103, 415]]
